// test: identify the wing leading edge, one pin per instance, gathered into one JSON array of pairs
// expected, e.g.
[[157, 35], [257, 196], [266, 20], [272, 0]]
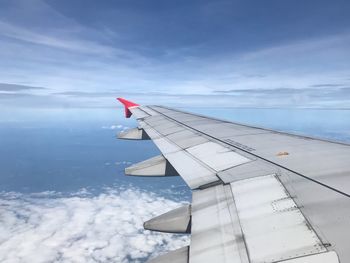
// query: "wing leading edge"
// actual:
[[248, 205]]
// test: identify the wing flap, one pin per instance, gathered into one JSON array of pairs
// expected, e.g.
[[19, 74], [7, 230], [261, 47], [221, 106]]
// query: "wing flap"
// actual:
[[177, 256], [272, 224], [252, 220], [215, 232], [327, 257]]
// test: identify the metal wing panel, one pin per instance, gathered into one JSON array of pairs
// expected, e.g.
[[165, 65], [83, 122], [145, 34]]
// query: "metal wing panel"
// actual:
[[253, 220], [247, 170], [279, 202], [194, 172], [148, 110], [187, 138], [217, 156], [195, 158], [139, 113], [273, 226], [323, 161], [216, 235]]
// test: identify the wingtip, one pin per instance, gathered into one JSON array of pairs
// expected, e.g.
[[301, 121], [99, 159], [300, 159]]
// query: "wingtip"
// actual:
[[127, 105]]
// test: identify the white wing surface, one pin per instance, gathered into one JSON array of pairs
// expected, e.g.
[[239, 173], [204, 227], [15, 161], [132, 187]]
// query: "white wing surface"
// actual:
[[258, 195]]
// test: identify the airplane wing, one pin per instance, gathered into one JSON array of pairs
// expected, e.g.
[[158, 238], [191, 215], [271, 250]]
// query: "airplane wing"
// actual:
[[258, 195]]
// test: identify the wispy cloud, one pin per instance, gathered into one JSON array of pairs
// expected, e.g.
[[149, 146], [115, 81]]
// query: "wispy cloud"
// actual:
[[336, 97], [326, 85], [11, 96], [48, 227], [31, 36], [17, 87], [88, 64]]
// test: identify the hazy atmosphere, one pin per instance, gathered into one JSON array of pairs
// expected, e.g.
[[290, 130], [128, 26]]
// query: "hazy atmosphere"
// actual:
[[243, 53], [63, 194]]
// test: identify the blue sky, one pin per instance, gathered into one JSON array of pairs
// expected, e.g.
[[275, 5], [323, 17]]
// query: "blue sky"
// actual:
[[180, 53]]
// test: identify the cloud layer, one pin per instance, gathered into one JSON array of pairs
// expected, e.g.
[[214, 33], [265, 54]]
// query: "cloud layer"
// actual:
[[49, 227], [16, 87]]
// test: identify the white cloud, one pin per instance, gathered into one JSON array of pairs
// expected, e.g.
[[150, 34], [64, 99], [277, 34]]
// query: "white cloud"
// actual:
[[123, 163], [49, 227], [115, 127]]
